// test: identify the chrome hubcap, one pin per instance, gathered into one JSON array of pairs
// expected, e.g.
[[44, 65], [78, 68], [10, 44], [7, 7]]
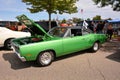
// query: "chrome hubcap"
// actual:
[[9, 45], [95, 46], [46, 58]]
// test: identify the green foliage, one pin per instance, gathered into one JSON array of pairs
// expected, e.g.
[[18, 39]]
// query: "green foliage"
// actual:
[[75, 20], [109, 19], [52, 6], [88, 19], [63, 21], [115, 3], [97, 17]]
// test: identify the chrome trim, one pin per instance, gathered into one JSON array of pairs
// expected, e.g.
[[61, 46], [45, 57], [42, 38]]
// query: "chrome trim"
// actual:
[[18, 54], [21, 58]]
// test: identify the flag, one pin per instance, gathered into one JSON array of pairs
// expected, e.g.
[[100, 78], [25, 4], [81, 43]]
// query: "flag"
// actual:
[[81, 11], [85, 24]]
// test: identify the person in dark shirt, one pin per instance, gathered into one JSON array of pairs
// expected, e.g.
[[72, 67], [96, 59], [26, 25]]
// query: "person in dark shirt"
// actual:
[[109, 31], [99, 27], [91, 26]]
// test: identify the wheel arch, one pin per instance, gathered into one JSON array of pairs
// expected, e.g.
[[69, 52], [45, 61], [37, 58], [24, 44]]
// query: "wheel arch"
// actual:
[[8, 42], [8, 39], [48, 50], [99, 42]]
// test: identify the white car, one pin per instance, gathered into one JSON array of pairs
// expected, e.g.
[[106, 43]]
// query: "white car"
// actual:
[[6, 35]]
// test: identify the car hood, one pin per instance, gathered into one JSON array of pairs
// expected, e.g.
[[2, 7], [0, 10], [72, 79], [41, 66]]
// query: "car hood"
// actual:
[[33, 27]]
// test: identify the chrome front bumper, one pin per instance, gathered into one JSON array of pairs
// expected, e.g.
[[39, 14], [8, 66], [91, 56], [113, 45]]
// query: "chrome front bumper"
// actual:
[[18, 54], [21, 58]]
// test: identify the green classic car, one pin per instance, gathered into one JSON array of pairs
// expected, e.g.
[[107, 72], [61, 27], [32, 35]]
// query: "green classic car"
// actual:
[[44, 47]]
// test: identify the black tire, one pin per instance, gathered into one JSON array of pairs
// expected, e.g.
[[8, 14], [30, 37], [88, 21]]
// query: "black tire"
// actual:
[[95, 47], [45, 58], [7, 44]]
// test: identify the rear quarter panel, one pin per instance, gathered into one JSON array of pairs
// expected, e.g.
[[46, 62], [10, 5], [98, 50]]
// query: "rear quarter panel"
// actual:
[[92, 38]]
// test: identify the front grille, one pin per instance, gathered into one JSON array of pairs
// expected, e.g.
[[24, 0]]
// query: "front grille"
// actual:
[[15, 47]]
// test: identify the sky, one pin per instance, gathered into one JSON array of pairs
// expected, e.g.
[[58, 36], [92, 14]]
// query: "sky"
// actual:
[[9, 9]]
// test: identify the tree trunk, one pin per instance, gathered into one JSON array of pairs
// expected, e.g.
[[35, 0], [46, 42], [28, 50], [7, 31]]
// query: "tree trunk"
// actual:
[[49, 21]]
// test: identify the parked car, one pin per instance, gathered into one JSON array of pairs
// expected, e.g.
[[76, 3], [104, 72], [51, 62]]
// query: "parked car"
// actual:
[[45, 47], [6, 35]]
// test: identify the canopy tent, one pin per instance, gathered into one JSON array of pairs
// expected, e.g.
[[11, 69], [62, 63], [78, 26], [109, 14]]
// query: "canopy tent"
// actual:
[[114, 21]]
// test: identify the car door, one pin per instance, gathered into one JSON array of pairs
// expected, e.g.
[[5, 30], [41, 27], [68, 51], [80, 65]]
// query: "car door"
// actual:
[[75, 43]]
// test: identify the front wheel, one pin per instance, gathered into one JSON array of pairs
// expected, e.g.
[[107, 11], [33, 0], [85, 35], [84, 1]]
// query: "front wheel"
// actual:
[[45, 58], [95, 47], [7, 44]]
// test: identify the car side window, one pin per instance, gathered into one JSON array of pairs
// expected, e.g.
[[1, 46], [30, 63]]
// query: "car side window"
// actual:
[[85, 32], [76, 32], [68, 33]]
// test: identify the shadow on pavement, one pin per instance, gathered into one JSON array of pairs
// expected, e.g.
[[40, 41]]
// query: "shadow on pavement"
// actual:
[[71, 55], [110, 46], [2, 48], [16, 63], [114, 47], [115, 56]]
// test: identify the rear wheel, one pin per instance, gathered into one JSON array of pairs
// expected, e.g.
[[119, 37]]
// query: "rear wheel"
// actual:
[[45, 58], [95, 47]]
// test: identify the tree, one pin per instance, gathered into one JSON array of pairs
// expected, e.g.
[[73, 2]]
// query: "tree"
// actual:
[[63, 21], [114, 3], [109, 19], [97, 17], [51, 6], [88, 19], [75, 20]]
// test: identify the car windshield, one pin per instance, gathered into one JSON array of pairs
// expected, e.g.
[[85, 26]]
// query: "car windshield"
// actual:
[[58, 31]]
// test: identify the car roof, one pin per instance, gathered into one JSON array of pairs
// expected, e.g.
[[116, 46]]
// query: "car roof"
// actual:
[[77, 27], [72, 27]]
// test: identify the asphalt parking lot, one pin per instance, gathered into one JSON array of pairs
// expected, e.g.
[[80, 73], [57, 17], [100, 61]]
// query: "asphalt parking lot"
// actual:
[[102, 65]]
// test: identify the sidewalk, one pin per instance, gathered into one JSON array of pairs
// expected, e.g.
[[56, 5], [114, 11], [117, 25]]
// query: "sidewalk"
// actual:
[[117, 38], [115, 41]]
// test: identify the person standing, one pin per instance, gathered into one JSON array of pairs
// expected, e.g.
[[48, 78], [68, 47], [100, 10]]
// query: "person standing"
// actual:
[[99, 28], [109, 31], [105, 27], [91, 26]]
